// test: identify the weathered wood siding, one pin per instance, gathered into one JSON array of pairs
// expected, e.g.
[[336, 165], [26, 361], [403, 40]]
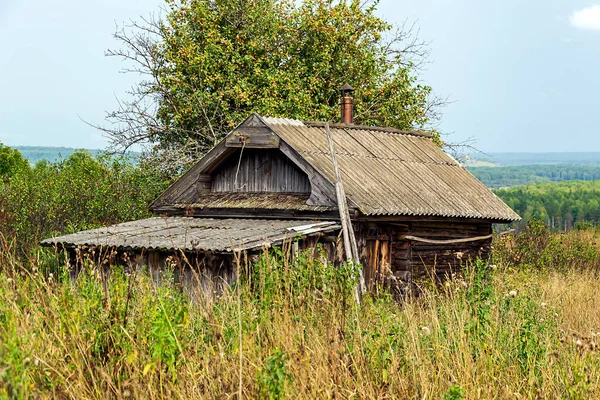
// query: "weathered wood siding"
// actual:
[[443, 259], [205, 275], [391, 261], [260, 171], [375, 243]]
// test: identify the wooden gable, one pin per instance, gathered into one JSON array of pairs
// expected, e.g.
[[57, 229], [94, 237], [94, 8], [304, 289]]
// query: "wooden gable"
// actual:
[[251, 159], [253, 134], [259, 170]]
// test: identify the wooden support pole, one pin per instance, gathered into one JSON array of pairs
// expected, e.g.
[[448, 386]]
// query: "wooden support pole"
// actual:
[[349, 238]]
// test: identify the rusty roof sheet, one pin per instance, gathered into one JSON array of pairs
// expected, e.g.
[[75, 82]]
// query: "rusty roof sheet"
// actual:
[[193, 234], [389, 172], [260, 200]]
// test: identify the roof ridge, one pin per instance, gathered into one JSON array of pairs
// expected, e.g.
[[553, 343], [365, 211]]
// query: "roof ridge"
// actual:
[[336, 125], [319, 124], [345, 153]]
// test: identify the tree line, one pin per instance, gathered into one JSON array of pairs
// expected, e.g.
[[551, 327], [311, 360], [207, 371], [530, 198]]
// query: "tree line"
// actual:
[[508, 176], [562, 205]]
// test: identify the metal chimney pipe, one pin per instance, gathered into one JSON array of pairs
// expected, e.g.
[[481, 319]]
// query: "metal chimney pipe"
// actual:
[[347, 104]]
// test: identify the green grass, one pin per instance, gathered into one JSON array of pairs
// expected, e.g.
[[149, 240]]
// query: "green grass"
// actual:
[[292, 330]]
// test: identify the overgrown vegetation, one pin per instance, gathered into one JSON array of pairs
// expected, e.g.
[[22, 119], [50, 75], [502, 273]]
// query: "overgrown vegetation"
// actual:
[[77, 193], [523, 324], [292, 330]]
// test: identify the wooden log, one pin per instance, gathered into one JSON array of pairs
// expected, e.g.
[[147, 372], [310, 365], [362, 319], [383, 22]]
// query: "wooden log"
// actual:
[[442, 224], [402, 265], [443, 248], [347, 229], [451, 241], [439, 233]]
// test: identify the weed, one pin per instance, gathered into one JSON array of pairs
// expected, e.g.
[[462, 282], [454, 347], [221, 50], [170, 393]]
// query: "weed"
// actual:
[[274, 377]]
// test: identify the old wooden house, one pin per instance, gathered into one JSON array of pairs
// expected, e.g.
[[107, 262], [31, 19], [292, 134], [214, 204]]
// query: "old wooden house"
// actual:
[[415, 210]]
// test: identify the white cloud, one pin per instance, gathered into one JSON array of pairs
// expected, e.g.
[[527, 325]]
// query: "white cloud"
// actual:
[[587, 18]]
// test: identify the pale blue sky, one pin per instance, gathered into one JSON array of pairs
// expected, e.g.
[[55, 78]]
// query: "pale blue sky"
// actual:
[[523, 75]]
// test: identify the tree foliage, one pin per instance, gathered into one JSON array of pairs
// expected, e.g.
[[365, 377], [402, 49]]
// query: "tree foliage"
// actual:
[[210, 63], [11, 162]]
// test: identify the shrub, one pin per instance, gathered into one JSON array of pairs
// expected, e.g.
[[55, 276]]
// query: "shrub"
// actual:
[[11, 162], [538, 248], [74, 194]]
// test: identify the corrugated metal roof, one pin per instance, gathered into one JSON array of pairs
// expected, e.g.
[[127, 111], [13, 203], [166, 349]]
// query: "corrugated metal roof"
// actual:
[[193, 234], [387, 172], [263, 200], [282, 121]]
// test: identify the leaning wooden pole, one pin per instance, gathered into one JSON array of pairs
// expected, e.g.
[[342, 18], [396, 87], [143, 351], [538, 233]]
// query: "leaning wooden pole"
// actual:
[[349, 238]]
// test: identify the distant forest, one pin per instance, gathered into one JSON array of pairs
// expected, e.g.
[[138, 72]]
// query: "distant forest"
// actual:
[[508, 176], [561, 206], [510, 159], [34, 154]]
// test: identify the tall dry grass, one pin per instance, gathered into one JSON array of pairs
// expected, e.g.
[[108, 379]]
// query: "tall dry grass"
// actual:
[[503, 332]]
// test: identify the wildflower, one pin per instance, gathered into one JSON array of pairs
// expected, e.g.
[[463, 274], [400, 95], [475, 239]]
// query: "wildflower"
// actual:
[[493, 267], [426, 331]]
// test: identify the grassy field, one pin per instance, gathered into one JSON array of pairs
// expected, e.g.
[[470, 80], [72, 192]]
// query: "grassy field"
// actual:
[[525, 325]]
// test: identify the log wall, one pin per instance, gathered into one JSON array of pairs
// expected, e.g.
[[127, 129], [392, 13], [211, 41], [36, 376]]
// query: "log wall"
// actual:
[[389, 259], [442, 260]]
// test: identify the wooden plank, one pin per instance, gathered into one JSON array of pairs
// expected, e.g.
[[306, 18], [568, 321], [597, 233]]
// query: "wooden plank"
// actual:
[[247, 212], [253, 138], [260, 171], [349, 237]]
